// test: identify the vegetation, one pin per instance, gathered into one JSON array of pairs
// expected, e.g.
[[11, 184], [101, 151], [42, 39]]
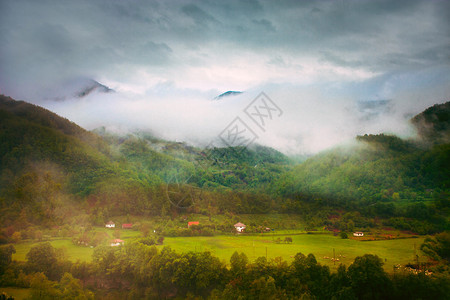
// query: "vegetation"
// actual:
[[438, 248], [60, 183], [142, 271], [51, 168], [399, 249]]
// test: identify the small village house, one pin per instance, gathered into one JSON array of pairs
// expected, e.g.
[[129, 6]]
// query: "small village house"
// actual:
[[110, 224], [127, 226], [358, 233], [116, 242], [239, 227], [193, 223]]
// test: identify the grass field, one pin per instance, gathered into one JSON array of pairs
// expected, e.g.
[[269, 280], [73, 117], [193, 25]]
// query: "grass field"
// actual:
[[397, 251], [72, 251], [400, 251]]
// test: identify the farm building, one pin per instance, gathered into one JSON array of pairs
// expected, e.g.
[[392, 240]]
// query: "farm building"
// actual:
[[110, 224], [127, 226], [239, 227], [116, 242], [358, 233], [193, 223]]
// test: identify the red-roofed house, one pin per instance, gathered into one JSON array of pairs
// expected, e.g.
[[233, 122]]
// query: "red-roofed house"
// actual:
[[116, 242], [127, 226], [239, 227], [193, 223]]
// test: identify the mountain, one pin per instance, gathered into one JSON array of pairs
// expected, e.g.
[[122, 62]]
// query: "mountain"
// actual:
[[50, 167], [39, 115], [228, 94], [433, 125], [92, 86], [76, 88], [52, 170], [45, 161], [42, 117], [383, 175]]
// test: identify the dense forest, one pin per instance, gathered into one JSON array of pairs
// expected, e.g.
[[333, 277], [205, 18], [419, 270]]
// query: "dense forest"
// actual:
[[51, 168], [54, 174]]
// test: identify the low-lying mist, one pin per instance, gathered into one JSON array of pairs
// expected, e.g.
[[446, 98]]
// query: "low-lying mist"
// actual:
[[313, 118]]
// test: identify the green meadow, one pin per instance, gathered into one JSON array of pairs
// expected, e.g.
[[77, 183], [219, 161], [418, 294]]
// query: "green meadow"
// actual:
[[72, 252], [399, 251]]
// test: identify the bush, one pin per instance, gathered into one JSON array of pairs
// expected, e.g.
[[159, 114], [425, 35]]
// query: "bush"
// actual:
[[343, 235], [288, 240], [16, 237], [149, 241]]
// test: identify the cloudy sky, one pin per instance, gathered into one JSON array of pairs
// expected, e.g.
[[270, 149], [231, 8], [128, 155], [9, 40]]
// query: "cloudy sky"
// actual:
[[335, 68]]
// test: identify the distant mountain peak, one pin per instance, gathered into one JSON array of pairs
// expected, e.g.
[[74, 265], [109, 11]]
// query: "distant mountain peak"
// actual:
[[94, 86], [228, 94], [77, 88]]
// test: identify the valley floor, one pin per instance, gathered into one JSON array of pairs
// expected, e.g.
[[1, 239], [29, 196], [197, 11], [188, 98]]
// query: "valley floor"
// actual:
[[392, 252]]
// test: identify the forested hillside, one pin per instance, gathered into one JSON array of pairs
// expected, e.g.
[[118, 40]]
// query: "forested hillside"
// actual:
[[52, 170], [380, 168], [433, 125], [383, 175], [59, 181]]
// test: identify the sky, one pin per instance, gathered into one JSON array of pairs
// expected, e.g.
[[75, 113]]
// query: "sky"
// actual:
[[335, 69]]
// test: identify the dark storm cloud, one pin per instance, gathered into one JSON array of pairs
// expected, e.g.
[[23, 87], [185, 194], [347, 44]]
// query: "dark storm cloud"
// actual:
[[266, 25], [378, 36], [150, 53], [200, 17]]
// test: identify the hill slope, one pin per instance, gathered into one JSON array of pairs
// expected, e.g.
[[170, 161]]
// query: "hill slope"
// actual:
[[382, 175], [433, 125], [48, 162], [51, 170]]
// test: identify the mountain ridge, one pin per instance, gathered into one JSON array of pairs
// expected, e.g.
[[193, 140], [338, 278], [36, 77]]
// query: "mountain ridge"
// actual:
[[228, 94]]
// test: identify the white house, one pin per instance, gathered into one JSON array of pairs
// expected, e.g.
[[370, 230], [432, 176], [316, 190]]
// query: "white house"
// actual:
[[358, 233], [116, 242], [110, 224], [239, 227]]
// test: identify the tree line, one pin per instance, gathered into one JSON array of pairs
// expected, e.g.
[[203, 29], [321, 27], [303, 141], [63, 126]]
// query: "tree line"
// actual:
[[140, 271]]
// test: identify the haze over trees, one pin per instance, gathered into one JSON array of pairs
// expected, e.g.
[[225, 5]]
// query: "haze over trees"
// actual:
[[58, 180], [48, 161]]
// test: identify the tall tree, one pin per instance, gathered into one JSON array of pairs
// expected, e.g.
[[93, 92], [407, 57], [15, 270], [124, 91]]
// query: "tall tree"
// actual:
[[43, 258], [368, 279], [6, 253]]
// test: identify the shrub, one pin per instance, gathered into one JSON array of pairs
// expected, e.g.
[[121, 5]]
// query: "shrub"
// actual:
[[343, 235]]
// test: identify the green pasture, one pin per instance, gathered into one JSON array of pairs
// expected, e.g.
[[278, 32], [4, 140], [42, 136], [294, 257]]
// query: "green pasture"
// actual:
[[400, 251], [73, 252], [397, 251], [124, 233]]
